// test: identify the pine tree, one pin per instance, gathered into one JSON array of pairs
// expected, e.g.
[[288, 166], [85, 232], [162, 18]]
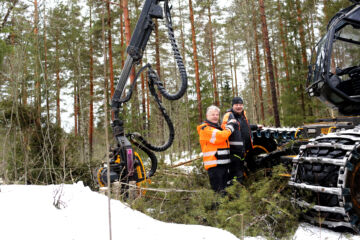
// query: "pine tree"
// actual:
[[196, 62], [269, 63]]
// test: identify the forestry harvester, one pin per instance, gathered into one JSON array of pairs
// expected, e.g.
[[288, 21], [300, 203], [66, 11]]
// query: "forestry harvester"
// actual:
[[325, 172], [325, 161], [126, 165]]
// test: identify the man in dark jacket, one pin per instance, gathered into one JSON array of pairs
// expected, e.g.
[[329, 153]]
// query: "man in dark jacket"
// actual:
[[240, 140]]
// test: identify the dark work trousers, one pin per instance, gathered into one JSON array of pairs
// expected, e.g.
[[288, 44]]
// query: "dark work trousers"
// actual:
[[236, 169], [218, 177]]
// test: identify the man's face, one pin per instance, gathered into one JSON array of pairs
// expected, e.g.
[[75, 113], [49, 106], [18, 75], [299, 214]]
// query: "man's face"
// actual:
[[213, 116], [238, 107]]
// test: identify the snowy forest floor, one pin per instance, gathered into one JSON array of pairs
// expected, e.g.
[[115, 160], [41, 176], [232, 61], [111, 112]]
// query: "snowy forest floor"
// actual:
[[75, 212]]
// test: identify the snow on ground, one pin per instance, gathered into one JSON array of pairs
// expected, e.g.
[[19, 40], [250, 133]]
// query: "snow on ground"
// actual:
[[28, 212], [307, 231], [173, 159]]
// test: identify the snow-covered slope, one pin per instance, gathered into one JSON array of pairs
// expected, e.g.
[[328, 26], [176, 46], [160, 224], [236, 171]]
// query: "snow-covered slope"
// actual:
[[28, 212]]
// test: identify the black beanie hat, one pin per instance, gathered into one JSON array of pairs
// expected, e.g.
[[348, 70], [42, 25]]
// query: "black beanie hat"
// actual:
[[236, 100]]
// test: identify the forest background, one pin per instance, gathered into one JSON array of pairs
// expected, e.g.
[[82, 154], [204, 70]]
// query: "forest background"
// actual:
[[55, 51]]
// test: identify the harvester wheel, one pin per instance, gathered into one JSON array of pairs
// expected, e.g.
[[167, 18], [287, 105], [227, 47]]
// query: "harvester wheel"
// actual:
[[326, 180]]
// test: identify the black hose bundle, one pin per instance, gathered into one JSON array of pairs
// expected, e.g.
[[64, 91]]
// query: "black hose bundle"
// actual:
[[177, 56], [153, 79]]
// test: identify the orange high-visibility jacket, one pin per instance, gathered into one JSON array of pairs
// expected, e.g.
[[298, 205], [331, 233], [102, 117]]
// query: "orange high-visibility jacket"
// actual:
[[214, 144]]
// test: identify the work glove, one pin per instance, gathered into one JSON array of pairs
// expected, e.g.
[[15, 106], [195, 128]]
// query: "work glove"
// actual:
[[232, 125]]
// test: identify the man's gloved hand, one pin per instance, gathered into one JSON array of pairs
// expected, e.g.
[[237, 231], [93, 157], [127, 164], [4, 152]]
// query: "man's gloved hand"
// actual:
[[232, 125]]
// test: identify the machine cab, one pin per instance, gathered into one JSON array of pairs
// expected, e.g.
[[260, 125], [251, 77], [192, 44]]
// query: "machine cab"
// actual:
[[334, 75]]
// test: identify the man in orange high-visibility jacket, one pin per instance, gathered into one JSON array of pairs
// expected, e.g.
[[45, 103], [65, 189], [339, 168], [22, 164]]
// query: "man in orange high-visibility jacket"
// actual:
[[240, 141], [215, 148]]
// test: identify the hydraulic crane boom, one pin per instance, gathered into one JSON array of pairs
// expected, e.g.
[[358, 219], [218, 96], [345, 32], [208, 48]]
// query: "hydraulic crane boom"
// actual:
[[136, 48], [125, 162]]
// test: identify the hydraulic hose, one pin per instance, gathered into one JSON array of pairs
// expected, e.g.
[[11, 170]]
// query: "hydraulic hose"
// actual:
[[178, 59], [154, 79]]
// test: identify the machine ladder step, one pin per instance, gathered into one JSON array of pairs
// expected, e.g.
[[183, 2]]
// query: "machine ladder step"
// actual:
[[320, 189], [319, 208], [327, 145], [323, 160]]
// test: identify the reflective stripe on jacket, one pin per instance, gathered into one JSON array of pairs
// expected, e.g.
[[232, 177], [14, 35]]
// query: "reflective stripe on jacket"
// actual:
[[214, 144], [236, 140], [240, 139]]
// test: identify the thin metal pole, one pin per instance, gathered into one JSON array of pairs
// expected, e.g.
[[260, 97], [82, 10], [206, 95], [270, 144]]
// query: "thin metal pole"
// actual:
[[106, 124], [242, 226]]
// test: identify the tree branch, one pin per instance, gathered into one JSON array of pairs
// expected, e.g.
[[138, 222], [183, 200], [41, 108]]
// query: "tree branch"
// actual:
[[8, 14]]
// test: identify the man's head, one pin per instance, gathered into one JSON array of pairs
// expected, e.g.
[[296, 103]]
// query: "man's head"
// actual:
[[213, 114], [237, 105]]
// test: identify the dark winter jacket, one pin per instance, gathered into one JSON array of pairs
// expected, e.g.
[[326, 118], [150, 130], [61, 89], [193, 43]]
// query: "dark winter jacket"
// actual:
[[240, 139]]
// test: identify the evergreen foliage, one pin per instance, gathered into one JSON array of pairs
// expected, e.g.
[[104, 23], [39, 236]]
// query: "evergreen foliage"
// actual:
[[262, 204], [4, 50]]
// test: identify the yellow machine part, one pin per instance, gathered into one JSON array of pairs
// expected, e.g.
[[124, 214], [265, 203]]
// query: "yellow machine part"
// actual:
[[261, 147], [140, 170], [327, 130], [298, 131], [98, 176]]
